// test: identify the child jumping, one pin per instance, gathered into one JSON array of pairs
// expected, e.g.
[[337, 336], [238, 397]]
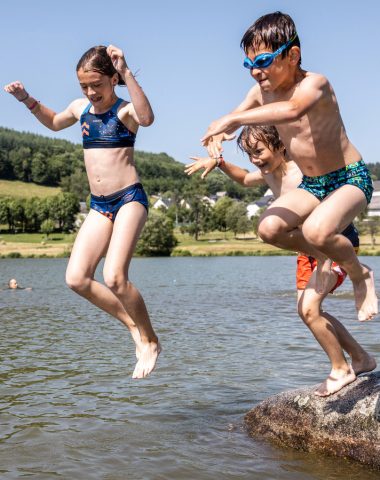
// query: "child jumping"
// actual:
[[119, 205], [266, 151], [336, 184]]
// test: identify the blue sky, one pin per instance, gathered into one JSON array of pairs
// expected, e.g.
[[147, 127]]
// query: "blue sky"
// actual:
[[188, 59]]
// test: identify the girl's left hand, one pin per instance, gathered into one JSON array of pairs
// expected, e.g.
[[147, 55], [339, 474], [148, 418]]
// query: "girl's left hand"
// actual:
[[117, 58]]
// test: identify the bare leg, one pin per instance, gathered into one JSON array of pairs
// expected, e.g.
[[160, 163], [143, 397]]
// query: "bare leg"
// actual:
[[90, 245], [361, 360], [127, 227], [323, 329], [322, 223], [279, 223], [321, 229]]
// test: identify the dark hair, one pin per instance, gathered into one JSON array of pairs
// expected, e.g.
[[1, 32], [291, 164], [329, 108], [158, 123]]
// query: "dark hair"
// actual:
[[97, 59], [273, 30], [267, 134]]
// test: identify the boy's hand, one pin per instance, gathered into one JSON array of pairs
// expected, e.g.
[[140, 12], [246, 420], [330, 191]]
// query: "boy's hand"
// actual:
[[224, 124], [117, 58], [214, 146], [17, 89], [207, 163]]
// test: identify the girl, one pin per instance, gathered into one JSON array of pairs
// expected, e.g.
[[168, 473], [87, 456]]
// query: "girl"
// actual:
[[119, 204]]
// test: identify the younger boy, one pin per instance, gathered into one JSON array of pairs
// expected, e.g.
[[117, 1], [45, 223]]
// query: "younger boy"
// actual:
[[267, 153], [336, 184]]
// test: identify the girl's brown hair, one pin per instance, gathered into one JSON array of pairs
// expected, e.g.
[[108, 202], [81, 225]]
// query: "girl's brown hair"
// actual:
[[96, 59]]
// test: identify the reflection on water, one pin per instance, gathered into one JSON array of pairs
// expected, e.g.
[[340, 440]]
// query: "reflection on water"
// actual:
[[231, 337]]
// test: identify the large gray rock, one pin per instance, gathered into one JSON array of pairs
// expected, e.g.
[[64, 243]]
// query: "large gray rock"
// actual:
[[346, 424]]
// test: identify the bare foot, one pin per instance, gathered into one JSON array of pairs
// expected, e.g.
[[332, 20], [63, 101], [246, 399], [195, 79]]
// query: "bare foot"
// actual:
[[335, 382], [365, 365], [365, 295], [323, 275], [148, 355]]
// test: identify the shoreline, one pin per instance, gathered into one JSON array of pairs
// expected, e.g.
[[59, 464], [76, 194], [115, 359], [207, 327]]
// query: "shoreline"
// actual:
[[202, 248]]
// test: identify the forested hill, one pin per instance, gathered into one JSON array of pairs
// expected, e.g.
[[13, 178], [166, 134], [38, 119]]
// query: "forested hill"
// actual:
[[54, 162]]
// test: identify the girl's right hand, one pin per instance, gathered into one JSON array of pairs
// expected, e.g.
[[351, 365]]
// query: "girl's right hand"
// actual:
[[17, 89], [208, 164]]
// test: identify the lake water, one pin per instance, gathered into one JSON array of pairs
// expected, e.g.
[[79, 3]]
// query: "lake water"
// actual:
[[69, 408]]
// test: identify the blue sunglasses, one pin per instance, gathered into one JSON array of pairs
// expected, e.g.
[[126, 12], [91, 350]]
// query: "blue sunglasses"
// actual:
[[264, 60]]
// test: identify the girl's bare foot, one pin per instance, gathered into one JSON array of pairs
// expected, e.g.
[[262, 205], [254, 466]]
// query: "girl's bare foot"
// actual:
[[335, 382], [148, 355]]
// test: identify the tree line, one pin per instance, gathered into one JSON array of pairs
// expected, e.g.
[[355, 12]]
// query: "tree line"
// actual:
[[33, 215], [59, 163]]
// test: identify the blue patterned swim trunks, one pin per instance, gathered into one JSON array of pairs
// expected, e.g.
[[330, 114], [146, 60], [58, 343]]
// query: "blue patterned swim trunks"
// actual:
[[109, 205], [356, 174]]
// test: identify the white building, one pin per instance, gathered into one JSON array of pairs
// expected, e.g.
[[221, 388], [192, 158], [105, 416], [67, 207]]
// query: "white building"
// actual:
[[262, 202], [374, 205]]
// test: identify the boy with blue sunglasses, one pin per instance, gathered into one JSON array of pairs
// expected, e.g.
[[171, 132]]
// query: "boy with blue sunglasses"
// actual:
[[266, 151], [336, 185]]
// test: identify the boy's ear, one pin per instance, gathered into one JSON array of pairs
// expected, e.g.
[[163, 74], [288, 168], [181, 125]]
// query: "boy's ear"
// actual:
[[294, 55]]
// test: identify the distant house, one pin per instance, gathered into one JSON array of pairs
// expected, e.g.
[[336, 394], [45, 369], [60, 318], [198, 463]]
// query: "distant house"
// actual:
[[210, 201], [374, 205], [221, 194], [164, 203], [262, 202]]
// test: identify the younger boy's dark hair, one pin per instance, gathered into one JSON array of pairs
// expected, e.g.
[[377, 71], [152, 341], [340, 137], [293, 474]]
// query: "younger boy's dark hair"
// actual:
[[273, 30], [267, 134], [96, 59]]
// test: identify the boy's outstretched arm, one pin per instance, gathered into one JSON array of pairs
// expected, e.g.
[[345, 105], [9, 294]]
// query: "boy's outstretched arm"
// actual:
[[309, 92], [214, 143], [237, 174]]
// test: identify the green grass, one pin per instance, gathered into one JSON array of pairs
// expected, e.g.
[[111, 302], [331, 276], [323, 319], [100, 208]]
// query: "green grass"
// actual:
[[14, 188], [54, 238]]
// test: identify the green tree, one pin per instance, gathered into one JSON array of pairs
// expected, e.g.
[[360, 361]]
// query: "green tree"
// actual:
[[369, 225], [4, 211], [157, 237], [255, 221], [243, 225], [220, 213], [236, 216], [31, 212], [16, 214], [47, 227], [63, 209], [77, 184]]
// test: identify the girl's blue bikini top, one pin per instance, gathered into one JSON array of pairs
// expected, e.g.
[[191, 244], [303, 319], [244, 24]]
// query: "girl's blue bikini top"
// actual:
[[105, 130]]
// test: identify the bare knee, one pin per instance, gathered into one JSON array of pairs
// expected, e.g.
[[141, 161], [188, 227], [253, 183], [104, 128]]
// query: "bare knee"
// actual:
[[308, 313], [77, 282], [270, 229], [116, 282], [317, 235]]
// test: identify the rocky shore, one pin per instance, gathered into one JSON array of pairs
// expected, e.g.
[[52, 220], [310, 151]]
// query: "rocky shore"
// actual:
[[346, 424]]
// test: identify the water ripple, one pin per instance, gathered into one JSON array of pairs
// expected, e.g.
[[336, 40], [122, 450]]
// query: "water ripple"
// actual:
[[231, 337]]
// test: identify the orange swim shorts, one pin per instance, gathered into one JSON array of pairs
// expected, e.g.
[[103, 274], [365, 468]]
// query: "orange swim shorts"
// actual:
[[306, 266]]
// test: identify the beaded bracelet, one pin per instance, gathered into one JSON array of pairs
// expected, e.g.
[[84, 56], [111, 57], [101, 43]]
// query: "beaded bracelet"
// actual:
[[25, 98]]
